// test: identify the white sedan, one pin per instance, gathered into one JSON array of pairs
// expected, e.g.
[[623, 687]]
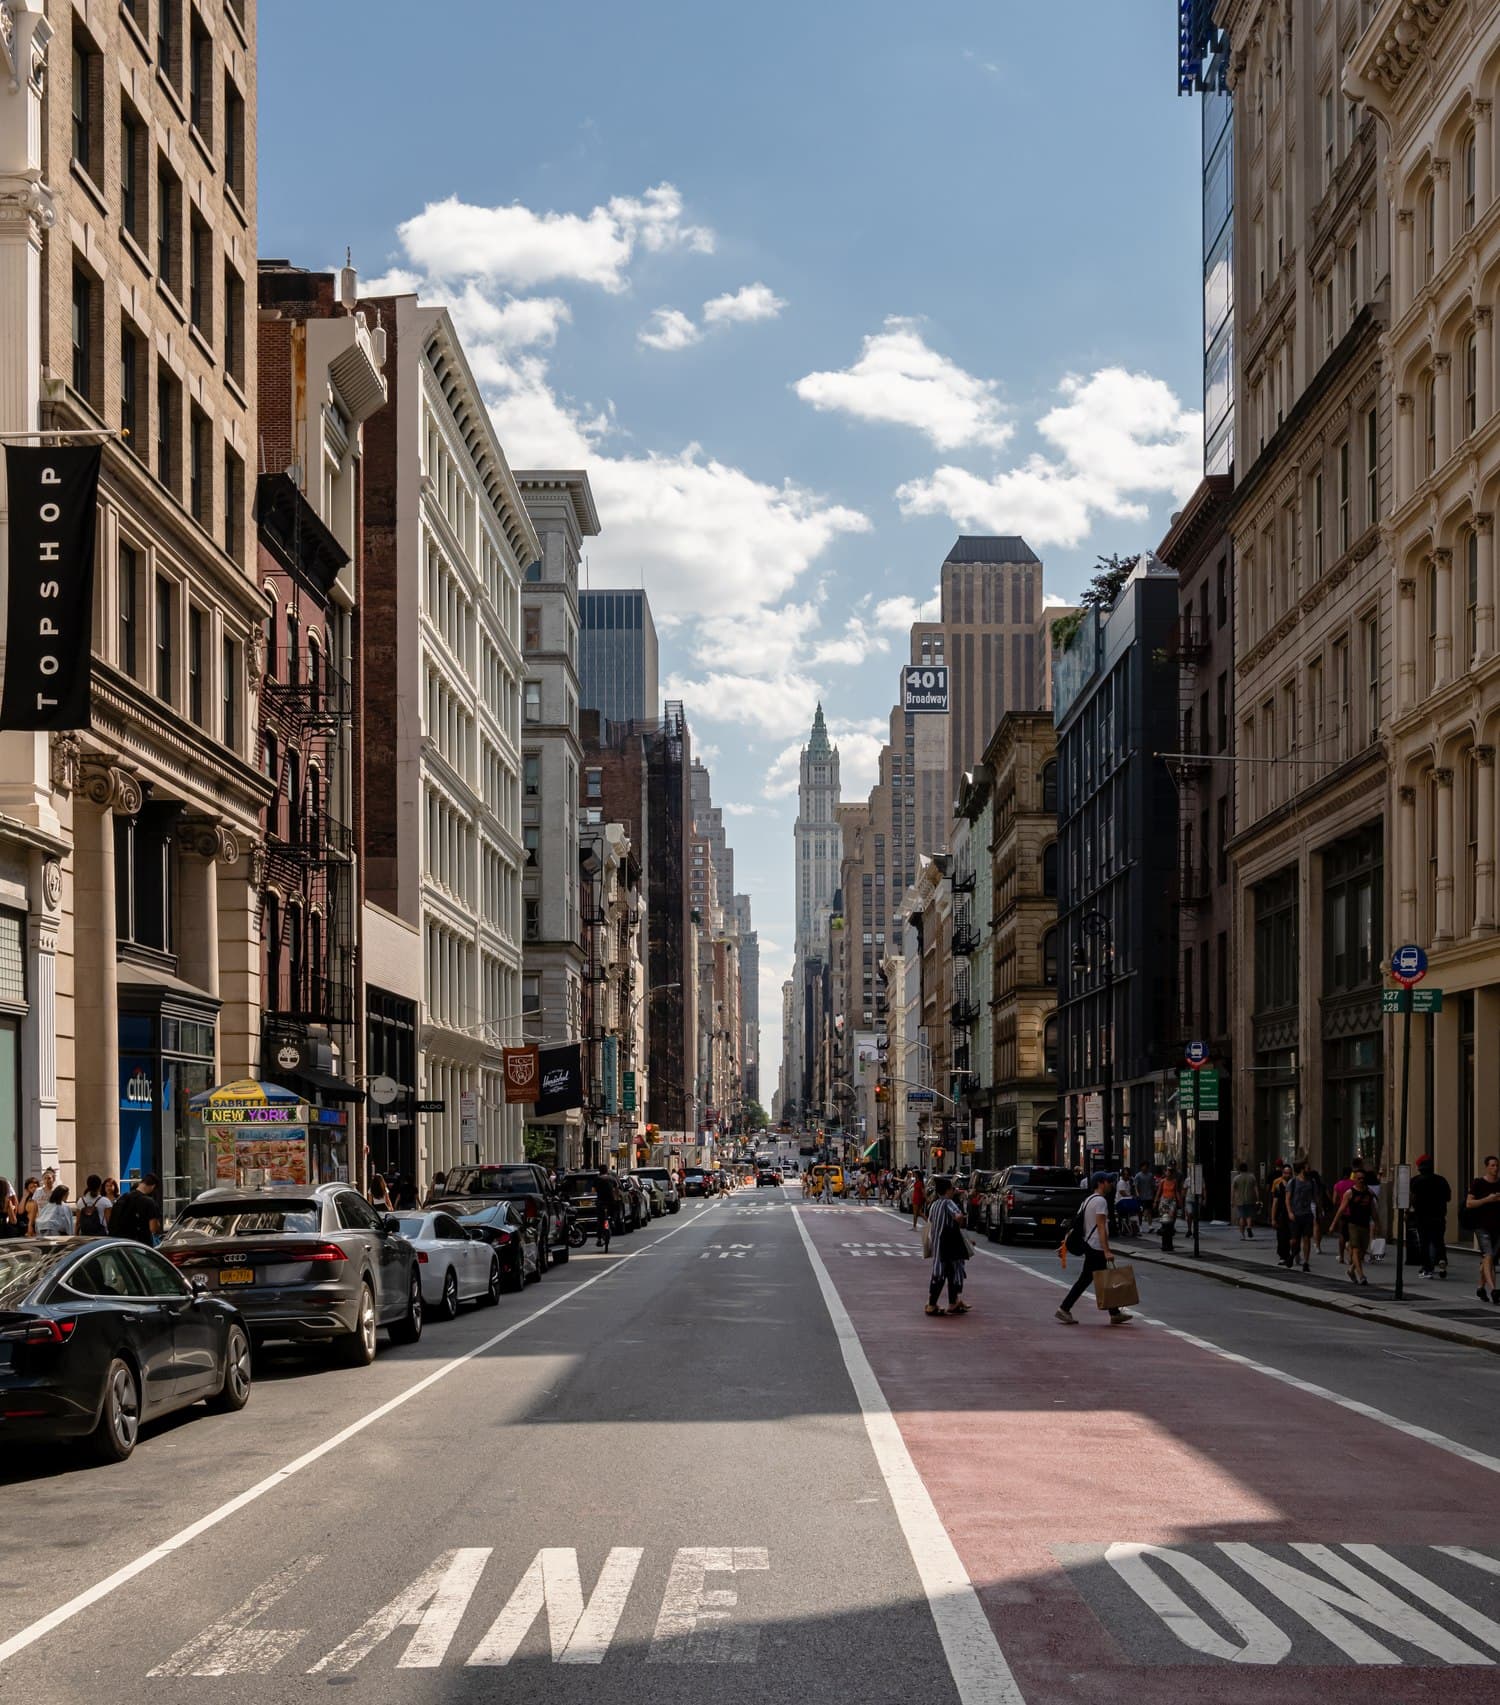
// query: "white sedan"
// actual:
[[455, 1267]]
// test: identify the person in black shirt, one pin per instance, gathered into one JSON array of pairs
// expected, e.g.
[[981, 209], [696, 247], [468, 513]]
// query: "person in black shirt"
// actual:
[[607, 1198], [1430, 1196], [1483, 1207], [137, 1214]]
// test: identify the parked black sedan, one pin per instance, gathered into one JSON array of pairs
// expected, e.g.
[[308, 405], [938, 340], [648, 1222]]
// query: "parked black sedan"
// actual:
[[516, 1240], [100, 1335]]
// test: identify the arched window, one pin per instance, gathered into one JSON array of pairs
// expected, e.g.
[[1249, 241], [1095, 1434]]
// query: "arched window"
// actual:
[[1049, 785], [1429, 418], [314, 670], [293, 648], [315, 1002], [1471, 385], [1467, 184], [1049, 870], [270, 592], [1049, 1047], [1429, 233], [299, 965], [293, 797], [271, 929], [314, 803], [1049, 958]]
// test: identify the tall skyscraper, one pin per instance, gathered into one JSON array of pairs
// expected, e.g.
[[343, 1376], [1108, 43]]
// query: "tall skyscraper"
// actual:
[[617, 656], [817, 850]]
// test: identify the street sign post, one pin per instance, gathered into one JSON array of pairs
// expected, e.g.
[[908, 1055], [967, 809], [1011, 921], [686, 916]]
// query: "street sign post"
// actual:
[[1197, 1055], [1408, 967], [1423, 1002]]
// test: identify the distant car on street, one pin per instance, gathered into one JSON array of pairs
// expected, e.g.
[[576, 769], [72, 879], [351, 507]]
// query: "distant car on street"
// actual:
[[521, 1181], [1033, 1201], [661, 1176], [766, 1178], [456, 1267], [695, 1182], [654, 1191], [99, 1335], [302, 1263], [516, 1240]]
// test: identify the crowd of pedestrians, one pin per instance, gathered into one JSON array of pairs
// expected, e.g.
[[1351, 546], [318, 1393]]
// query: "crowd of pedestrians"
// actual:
[[44, 1208]]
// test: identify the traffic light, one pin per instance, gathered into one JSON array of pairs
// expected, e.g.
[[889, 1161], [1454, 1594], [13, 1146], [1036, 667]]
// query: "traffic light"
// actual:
[[882, 1093]]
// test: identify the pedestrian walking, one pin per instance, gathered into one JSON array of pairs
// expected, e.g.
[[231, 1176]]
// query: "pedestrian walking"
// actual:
[[55, 1218], [825, 1188], [92, 1218], [918, 1200], [1302, 1200], [137, 1214], [379, 1194], [1281, 1213], [950, 1249], [606, 1206], [1356, 1212], [1168, 1207], [1430, 1195], [1145, 1192], [25, 1211], [1341, 1189], [1482, 1212], [36, 1196], [1094, 1225], [1244, 1192]]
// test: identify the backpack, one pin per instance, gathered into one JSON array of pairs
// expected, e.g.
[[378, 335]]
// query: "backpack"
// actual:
[[1076, 1242], [90, 1222], [131, 1218]]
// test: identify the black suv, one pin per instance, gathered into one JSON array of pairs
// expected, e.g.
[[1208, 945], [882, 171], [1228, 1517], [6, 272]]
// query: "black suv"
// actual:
[[528, 1186]]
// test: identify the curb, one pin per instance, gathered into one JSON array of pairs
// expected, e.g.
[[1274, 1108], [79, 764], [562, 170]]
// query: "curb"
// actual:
[[1403, 1318]]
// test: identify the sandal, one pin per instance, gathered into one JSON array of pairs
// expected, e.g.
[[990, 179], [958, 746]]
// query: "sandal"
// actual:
[[959, 1308], [932, 1308]]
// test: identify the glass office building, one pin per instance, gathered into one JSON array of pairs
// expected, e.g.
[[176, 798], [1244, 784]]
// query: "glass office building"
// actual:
[[617, 656]]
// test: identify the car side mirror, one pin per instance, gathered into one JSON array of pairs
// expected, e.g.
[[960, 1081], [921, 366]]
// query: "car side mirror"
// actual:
[[198, 1284], [389, 1222]]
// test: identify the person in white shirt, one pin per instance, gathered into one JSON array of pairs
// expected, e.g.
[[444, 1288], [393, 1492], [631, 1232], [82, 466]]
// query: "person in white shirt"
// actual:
[[1096, 1251]]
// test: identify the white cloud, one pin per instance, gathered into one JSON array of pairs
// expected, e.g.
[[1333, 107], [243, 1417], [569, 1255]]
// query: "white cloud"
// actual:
[[1051, 601], [775, 706], [732, 808], [517, 322], [900, 612], [988, 66], [857, 642], [668, 328], [898, 379], [755, 641], [749, 303], [1120, 437], [518, 247], [859, 744]]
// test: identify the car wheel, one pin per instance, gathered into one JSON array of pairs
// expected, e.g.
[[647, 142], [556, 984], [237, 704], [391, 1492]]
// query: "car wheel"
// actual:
[[1006, 1234], [543, 1256], [408, 1328], [234, 1393], [992, 1232], [113, 1439], [448, 1304], [357, 1348], [492, 1289], [513, 1278], [674, 1208], [560, 1254]]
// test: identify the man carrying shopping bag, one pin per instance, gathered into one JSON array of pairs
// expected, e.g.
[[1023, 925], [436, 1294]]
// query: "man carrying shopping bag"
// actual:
[[1093, 1223]]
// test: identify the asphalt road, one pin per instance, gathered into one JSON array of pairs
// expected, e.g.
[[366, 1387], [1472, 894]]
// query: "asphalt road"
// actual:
[[733, 1461]]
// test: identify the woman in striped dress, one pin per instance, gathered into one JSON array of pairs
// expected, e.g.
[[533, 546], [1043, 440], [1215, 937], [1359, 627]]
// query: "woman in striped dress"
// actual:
[[950, 1249]]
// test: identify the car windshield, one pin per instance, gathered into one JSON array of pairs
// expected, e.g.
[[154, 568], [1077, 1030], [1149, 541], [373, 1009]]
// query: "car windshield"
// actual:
[[658, 1174], [1053, 1177], [491, 1180], [244, 1219], [21, 1266], [412, 1227]]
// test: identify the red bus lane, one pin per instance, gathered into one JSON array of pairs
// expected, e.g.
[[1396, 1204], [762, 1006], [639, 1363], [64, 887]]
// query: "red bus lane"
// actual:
[[1141, 1516]]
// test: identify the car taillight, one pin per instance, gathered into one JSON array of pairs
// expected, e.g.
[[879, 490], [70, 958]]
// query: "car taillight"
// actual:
[[314, 1252], [1010, 1200], [421, 1257], [531, 1209], [40, 1332]]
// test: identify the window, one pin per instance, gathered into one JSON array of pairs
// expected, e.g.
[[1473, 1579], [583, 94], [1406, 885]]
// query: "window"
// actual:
[[1466, 207], [195, 664], [1276, 943], [132, 173], [593, 781], [129, 573], [1429, 412], [532, 772], [1317, 708], [1049, 870], [1049, 958], [1049, 786], [84, 294], [198, 477], [533, 711], [1344, 497], [200, 275], [165, 593], [168, 226], [531, 839], [1471, 595], [1372, 468], [1221, 713], [234, 501], [531, 628], [1330, 132], [1221, 833], [200, 80], [87, 93], [234, 324], [1352, 896], [168, 38], [533, 916], [1471, 385], [130, 363], [1341, 685], [229, 671], [234, 139], [1317, 524], [1372, 678], [531, 993], [1429, 233]]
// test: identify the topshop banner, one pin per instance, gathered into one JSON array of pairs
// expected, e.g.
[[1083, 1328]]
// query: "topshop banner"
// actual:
[[562, 1080], [52, 496]]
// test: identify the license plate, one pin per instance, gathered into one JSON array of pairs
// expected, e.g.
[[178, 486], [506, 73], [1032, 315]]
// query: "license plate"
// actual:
[[236, 1275], [1048, 1219]]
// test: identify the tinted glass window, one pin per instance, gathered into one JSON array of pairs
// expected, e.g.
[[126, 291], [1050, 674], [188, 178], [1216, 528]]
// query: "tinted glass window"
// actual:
[[412, 1227], [107, 1274], [154, 1276], [446, 1227], [493, 1180], [244, 1219], [21, 1268], [1052, 1176], [355, 1213]]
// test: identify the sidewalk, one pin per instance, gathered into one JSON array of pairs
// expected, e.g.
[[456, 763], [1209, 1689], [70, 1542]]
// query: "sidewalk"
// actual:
[[1445, 1308]]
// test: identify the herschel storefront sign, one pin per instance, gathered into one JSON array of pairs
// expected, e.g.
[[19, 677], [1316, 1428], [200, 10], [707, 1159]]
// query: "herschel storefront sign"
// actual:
[[52, 497], [561, 1080], [925, 687]]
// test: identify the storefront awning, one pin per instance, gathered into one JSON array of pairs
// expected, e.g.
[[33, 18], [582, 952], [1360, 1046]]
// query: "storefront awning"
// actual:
[[246, 1092], [323, 1083]]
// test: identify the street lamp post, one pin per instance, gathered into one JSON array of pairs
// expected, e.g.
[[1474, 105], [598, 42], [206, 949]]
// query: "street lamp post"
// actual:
[[1099, 927]]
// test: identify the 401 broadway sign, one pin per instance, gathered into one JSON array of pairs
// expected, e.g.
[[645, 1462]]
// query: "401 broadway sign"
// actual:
[[925, 687], [52, 496]]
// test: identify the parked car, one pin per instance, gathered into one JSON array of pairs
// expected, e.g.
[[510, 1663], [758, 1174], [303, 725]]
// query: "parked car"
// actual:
[[654, 1191], [695, 1181], [98, 1336], [455, 1267], [520, 1181], [979, 1190], [634, 1209], [516, 1240], [307, 1264], [662, 1176], [1034, 1201]]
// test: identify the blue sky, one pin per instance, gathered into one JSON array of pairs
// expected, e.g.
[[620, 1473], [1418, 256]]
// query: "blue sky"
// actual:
[[808, 289]]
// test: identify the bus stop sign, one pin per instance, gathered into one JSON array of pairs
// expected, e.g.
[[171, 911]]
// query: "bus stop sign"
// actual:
[[1408, 966]]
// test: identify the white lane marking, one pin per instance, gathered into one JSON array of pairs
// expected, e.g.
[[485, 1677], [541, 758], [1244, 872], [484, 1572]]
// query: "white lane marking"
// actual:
[[1263, 1641], [232, 1646], [1423, 1435], [975, 1660], [579, 1634], [693, 1625], [433, 1605], [44, 1625]]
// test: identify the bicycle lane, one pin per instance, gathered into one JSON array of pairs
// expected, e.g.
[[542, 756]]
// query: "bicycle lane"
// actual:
[[1139, 1513]]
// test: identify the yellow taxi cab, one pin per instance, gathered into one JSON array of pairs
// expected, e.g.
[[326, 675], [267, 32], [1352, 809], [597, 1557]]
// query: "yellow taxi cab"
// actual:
[[835, 1175]]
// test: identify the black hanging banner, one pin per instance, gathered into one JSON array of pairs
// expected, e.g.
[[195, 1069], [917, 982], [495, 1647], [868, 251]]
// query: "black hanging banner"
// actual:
[[562, 1080], [52, 496]]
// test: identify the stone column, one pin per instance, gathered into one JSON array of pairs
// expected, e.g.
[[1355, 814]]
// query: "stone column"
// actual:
[[238, 880], [1406, 644], [1442, 401], [1484, 171], [1484, 364], [204, 842], [1444, 907], [1404, 251], [1484, 608], [1406, 468], [1406, 897], [1442, 662], [1484, 868], [39, 1049], [103, 789]]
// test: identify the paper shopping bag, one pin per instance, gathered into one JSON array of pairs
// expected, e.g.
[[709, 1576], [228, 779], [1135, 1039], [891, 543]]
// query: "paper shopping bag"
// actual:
[[1114, 1287]]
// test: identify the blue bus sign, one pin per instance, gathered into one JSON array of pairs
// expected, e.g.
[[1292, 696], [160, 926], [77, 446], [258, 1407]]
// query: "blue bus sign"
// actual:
[[1197, 1054], [1408, 965]]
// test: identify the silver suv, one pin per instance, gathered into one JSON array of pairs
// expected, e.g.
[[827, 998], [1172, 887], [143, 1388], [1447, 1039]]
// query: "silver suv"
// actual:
[[306, 1263]]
